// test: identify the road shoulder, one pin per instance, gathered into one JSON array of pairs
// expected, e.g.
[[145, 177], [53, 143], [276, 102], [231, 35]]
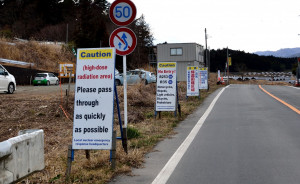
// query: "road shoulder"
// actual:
[[156, 160]]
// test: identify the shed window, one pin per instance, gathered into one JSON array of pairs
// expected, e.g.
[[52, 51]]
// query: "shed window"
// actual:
[[176, 51]]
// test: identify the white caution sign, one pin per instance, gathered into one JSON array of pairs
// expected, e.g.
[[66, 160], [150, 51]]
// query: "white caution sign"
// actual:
[[94, 99], [192, 81], [203, 74], [166, 93]]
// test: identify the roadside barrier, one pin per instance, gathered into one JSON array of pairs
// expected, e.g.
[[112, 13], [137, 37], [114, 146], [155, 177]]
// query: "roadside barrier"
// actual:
[[21, 155]]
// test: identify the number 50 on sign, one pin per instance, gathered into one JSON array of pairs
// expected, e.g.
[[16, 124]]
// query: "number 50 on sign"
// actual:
[[122, 12]]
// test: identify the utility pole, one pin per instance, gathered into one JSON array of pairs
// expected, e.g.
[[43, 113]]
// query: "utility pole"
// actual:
[[227, 68], [298, 69], [67, 34], [298, 72], [206, 60]]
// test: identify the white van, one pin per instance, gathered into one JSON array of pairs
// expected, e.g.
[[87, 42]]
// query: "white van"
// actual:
[[7, 81]]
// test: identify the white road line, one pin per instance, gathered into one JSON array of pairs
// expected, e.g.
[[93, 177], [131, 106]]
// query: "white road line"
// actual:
[[294, 87], [168, 169]]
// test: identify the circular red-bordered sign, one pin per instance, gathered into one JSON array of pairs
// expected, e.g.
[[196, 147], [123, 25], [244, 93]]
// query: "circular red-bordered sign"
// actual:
[[124, 40], [122, 12]]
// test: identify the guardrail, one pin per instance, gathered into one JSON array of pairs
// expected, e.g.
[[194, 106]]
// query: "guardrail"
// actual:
[[16, 62], [21, 155]]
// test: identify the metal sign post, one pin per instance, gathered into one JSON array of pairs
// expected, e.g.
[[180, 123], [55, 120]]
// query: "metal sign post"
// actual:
[[124, 40], [123, 13], [298, 73], [227, 67], [125, 91]]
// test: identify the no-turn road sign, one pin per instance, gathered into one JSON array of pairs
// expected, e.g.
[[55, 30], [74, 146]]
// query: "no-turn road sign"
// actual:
[[124, 40], [122, 12]]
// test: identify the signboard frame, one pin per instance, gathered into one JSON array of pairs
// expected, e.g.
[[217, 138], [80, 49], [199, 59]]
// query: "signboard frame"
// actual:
[[93, 122], [203, 78], [192, 83], [64, 70], [166, 87]]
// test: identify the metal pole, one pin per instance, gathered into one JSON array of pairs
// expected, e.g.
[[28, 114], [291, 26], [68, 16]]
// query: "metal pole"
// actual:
[[124, 140], [68, 92], [69, 162], [87, 154], [125, 91], [227, 68], [67, 34], [297, 73], [113, 151], [206, 61]]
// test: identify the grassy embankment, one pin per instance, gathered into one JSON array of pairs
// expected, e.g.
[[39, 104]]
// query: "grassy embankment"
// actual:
[[43, 56]]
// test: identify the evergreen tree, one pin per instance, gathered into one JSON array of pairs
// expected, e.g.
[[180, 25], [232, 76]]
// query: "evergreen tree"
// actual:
[[144, 42], [91, 27]]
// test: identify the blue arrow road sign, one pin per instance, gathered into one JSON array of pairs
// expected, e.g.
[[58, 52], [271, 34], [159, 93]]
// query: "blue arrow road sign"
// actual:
[[124, 37]]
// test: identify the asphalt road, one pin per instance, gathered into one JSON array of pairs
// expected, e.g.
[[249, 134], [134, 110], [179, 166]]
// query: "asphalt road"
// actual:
[[43, 89], [247, 138], [290, 94]]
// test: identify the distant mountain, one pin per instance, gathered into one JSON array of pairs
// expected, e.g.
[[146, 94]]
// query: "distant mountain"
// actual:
[[283, 53]]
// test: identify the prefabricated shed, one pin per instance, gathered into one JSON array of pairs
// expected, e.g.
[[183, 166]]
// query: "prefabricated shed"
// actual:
[[185, 54]]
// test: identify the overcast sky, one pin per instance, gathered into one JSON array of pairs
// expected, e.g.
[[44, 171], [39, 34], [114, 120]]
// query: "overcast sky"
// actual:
[[249, 25]]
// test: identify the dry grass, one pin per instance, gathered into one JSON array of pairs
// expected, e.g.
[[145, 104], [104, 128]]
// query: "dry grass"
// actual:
[[41, 111], [32, 111], [43, 56]]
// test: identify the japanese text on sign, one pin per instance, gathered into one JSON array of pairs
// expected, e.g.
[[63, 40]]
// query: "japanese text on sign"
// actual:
[[203, 83], [192, 81], [65, 69], [166, 87]]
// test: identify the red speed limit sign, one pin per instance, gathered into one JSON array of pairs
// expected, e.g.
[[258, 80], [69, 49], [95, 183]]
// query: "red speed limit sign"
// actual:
[[122, 12]]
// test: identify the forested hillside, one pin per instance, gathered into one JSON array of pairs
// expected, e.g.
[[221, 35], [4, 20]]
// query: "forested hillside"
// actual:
[[86, 23], [242, 61]]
